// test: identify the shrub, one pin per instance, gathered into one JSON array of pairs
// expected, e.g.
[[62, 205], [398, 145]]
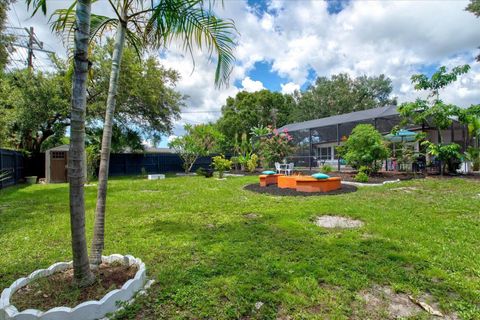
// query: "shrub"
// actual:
[[473, 154], [93, 161], [361, 177], [365, 169], [448, 154], [276, 146], [364, 147], [326, 168], [221, 165], [252, 163], [207, 173]]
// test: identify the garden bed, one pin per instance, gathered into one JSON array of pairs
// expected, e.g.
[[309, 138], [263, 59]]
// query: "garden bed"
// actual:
[[59, 290], [274, 190]]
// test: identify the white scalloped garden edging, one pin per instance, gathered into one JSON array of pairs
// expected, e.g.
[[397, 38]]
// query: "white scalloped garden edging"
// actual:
[[88, 310], [360, 184]]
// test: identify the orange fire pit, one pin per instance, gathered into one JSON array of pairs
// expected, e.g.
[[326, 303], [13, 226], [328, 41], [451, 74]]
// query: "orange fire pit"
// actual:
[[287, 182], [267, 179], [310, 184]]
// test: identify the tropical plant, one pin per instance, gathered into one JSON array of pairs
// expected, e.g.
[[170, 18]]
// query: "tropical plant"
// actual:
[[150, 24], [5, 175], [252, 163], [448, 154], [83, 276], [361, 177], [221, 165], [326, 168], [364, 147], [473, 154], [432, 110], [276, 147]]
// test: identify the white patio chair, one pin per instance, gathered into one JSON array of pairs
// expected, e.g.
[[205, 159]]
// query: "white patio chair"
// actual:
[[289, 169], [278, 169]]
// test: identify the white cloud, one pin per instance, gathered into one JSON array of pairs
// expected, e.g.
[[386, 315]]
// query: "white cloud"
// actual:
[[289, 87], [252, 85], [397, 38]]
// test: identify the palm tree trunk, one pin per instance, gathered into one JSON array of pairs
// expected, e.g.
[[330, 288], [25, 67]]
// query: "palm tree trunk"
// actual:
[[99, 228], [83, 276]]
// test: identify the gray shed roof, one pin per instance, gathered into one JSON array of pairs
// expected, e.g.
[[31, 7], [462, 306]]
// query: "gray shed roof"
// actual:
[[63, 147], [343, 118]]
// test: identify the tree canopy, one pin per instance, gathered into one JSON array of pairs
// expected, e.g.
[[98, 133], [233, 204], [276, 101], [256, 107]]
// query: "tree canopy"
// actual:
[[146, 98], [341, 94], [34, 107], [253, 109]]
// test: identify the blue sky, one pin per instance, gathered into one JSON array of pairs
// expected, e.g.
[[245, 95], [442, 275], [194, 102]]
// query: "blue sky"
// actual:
[[284, 44]]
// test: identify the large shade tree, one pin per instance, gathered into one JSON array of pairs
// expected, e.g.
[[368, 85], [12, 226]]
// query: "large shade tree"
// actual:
[[342, 94], [146, 99], [253, 109], [83, 275], [34, 107], [150, 24]]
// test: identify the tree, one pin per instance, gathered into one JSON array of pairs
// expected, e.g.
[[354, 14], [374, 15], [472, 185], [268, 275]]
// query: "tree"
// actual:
[[5, 39], [253, 109], [146, 97], [83, 275], [364, 147], [198, 141], [150, 24], [341, 94], [275, 146], [474, 7], [36, 107], [433, 111]]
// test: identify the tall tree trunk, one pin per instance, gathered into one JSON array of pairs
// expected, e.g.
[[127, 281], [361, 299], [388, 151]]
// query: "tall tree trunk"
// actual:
[[99, 229], [83, 276]]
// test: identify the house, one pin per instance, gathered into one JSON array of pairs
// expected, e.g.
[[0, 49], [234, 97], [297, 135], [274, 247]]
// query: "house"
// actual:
[[316, 139]]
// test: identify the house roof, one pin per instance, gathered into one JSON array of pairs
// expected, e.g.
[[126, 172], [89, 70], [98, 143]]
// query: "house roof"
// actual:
[[343, 118]]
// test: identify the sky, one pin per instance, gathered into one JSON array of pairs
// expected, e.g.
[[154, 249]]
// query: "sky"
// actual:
[[284, 45]]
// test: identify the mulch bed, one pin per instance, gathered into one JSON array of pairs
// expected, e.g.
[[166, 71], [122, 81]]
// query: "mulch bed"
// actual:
[[58, 289], [379, 177], [275, 191]]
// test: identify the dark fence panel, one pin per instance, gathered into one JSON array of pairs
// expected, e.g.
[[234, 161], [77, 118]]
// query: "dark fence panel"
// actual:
[[126, 164], [12, 162]]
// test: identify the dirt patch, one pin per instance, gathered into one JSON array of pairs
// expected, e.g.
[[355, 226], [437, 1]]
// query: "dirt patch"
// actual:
[[337, 222], [382, 302], [58, 289], [251, 216], [274, 190]]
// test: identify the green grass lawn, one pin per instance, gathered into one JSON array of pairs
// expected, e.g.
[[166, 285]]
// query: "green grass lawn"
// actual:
[[211, 261]]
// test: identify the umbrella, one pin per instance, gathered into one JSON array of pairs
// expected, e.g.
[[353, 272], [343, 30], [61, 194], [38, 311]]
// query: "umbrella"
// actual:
[[401, 136]]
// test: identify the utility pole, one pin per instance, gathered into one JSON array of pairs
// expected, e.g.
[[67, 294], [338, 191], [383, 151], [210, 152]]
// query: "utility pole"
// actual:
[[32, 44], [30, 48]]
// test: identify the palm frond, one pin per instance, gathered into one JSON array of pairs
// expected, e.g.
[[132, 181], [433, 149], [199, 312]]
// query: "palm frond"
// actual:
[[37, 5], [63, 23], [5, 175], [189, 22]]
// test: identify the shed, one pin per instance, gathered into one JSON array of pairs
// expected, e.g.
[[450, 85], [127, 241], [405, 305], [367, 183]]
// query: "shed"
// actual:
[[56, 162]]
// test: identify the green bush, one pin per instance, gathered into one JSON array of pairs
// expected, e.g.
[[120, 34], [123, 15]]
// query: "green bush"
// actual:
[[448, 154], [365, 169], [204, 172], [361, 177], [364, 147], [221, 165], [473, 154], [326, 168], [93, 161], [252, 163]]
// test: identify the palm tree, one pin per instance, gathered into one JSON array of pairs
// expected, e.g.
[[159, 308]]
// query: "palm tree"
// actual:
[[83, 275], [151, 24]]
